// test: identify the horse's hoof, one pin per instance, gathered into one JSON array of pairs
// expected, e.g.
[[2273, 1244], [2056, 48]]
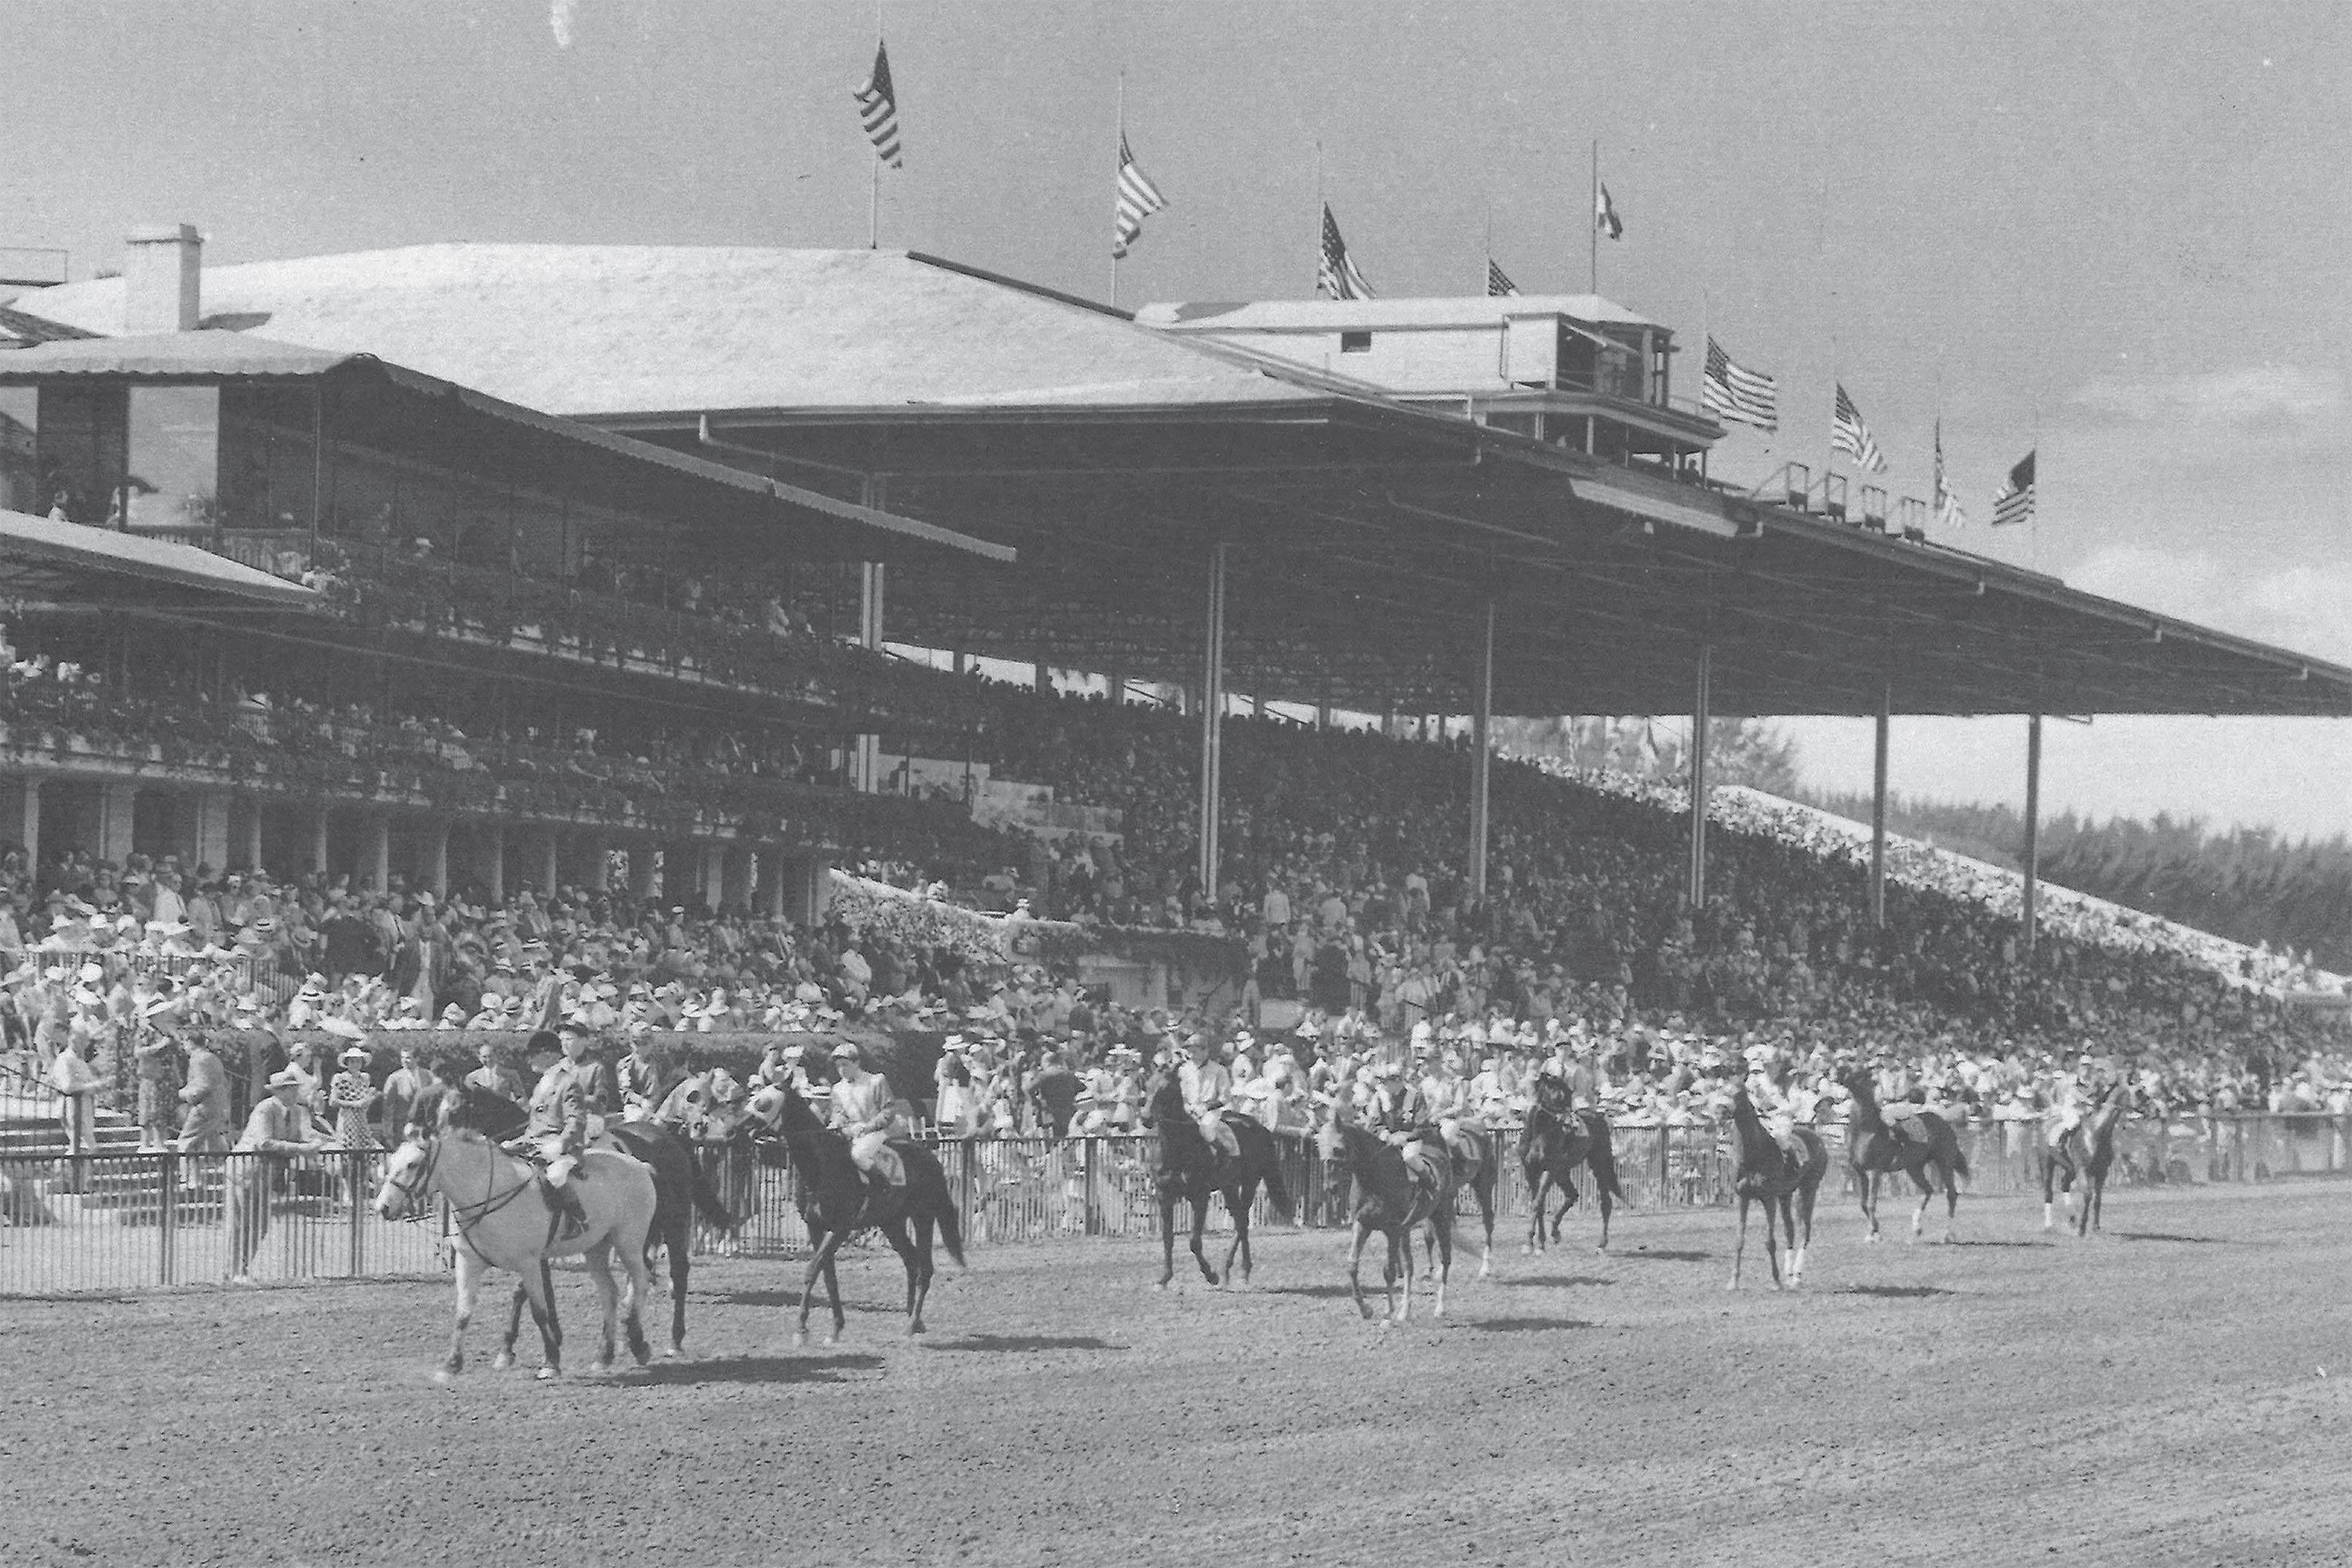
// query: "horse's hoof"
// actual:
[[1163, 1284], [445, 1375], [800, 1339], [600, 1369], [675, 1353], [501, 1361], [1526, 1249], [1733, 1285], [916, 1328], [833, 1339], [547, 1374]]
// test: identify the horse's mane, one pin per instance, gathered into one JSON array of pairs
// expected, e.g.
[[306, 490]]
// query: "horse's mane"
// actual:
[[482, 1111]]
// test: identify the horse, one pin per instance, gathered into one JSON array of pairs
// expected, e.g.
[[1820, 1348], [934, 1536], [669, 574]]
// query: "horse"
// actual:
[[489, 1193], [679, 1190], [1918, 1144], [719, 1135], [2087, 1150], [837, 1201], [1556, 1141], [1782, 1173], [1187, 1168], [1384, 1195], [1477, 1172]]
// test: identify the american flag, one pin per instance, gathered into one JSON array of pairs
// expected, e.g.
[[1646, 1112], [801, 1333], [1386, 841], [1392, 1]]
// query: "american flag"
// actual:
[[1498, 282], [1849, 434], [2015, 501], [877, 107], [1737, 394], [1947, 500], [1604, 213], [1336, 278], [1139, 198]]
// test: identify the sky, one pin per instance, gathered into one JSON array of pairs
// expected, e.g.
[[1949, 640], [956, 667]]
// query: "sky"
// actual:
[[2115, 232]]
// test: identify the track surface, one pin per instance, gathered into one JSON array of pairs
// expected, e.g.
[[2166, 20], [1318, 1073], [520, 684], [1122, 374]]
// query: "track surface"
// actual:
[[2153, 1396]]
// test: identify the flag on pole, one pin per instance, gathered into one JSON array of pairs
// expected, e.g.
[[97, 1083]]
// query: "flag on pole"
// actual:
[[1139, 198], [2015, 501], [1336, 278], [1737, 394], [1498, 282], [1849, 434], [1604, 213], [1947, 500], [877, 108]]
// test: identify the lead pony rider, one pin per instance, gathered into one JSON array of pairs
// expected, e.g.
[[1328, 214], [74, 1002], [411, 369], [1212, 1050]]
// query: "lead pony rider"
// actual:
[[1207, 1088], [556, 1133]]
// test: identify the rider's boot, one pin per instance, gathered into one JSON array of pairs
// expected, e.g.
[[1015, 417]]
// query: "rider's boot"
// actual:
[[572, 1219]]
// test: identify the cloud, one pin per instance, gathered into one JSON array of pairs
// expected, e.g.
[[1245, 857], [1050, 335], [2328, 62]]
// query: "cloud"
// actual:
[[2280, 401], [2297, 605], [559, 15]]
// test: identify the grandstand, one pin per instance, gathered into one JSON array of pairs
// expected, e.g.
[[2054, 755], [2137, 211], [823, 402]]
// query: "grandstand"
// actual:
[[569, 570]]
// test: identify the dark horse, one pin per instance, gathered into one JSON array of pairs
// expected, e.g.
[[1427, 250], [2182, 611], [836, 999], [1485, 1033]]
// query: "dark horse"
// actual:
[[1921, 1145], [1784, 1174], [679, 1189], [1557, 1141], [1187, 1168], [838, 1200], [1385, 1196], [2087, 1150]]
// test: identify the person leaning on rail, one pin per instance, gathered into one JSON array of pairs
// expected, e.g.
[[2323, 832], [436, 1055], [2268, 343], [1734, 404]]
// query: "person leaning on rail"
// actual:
[[281, 1126]]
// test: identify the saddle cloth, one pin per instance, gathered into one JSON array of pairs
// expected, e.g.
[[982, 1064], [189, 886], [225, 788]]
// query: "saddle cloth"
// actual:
[[1911, 1130]]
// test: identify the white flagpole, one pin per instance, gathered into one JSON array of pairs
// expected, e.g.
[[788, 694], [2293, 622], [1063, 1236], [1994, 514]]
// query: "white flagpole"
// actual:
[[1318, 218], [1119, 173], [874, 192]]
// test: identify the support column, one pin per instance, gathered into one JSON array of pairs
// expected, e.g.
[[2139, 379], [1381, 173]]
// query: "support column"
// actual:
[[1482, 702], [546, 861], [681, 872], [1115, 680], [2033, 829], [1699, 780], [866, 769], [200, 826], [432, 858], [1878, 812], [714, 875], [1213, 714], [20, 817], [773, 869], [641, 871], [591, 862], [116, 806], [376, 852], [318, 846]]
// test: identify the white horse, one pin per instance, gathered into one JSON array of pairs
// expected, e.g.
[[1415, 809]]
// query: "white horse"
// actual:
[[504, 1223]]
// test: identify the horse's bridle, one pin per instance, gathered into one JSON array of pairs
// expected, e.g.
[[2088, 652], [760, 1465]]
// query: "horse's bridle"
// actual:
[[465, 1215], [412, 1193]]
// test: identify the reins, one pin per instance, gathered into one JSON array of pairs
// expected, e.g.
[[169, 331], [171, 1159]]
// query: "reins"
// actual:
[[468, 1215]]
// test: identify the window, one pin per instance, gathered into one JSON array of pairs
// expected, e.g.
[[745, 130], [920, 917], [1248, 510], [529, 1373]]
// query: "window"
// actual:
[[174, 470], [20, 458], [1355, 343]]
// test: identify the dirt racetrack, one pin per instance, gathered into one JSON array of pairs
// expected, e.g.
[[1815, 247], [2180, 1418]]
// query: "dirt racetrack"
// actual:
[[2155, 1397]]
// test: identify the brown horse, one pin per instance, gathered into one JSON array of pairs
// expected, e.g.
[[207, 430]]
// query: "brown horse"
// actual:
[[1557, 1142], [2087, 1150], [1186, 1169], [837, 1200], [1783, 1173], [1384, 1195], [1921, 1145]]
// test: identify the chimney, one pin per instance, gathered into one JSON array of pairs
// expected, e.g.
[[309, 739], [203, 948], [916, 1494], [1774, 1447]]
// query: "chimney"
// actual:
[[160, 270]]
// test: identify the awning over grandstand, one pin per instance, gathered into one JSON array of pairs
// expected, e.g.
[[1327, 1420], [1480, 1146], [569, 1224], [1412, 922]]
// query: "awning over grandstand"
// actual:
[[48, 565], [398, 405]]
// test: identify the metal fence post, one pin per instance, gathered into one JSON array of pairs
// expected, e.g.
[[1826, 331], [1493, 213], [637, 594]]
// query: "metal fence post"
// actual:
[[167, 1213], [1093, 1216], [354, 1167]]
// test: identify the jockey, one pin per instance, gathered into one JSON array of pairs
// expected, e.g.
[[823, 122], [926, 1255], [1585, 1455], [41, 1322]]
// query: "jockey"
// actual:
[[1396, 1111], [1207, 1086], [1489, 1103], [557, 1132], [863, 1108], [2070, 1096], [1445, 1101], [1126, 1095], [645, 1079]]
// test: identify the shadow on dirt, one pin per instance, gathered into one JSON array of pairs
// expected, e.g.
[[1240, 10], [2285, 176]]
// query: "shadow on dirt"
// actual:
[[1323, 1292], [1015, 1343], [788, 1298], [743, 1369], [2162, 1235], [2017, 1243], [1525, 1325], [1662, 1255], [1893, 1293], [1562, 1280]]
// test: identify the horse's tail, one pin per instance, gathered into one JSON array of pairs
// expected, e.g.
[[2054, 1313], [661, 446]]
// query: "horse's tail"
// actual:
[[1277, 1191], [1600, 1159], [708, 1203], [1960, 1157], [952, 1229]]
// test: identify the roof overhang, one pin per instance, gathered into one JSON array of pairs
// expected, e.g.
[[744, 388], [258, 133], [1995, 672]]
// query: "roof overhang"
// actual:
[[47, 565]]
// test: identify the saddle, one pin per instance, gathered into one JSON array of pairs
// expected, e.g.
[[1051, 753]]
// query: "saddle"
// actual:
[[1912, 1129]]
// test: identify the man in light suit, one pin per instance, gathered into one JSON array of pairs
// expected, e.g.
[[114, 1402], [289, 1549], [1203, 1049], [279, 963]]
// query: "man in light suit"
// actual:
[[279, 1127], [204, 1120]]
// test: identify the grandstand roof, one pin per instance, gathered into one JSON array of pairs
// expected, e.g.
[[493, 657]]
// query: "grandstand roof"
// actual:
[[1365, 537], [47, 565]]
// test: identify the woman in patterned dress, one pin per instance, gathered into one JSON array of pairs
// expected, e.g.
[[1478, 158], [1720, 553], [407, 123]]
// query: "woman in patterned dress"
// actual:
[[351, 1096]]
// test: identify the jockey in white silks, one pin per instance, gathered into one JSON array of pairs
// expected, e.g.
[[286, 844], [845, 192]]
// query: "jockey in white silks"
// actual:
[[1445, 1101], [1207, 1088], [2067, 1103], [864, 1108], [1395, 1109]]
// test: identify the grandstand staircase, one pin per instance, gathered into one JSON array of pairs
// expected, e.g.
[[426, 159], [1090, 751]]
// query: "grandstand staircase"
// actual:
[[33, 1147]]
